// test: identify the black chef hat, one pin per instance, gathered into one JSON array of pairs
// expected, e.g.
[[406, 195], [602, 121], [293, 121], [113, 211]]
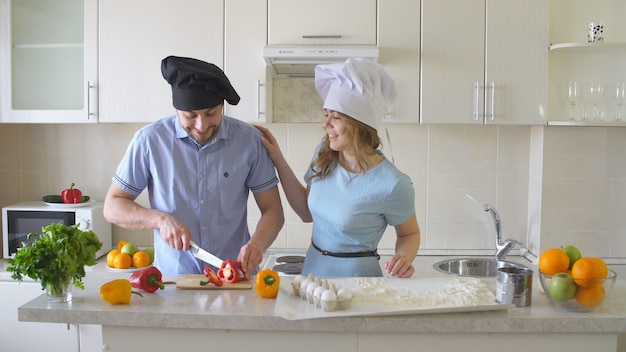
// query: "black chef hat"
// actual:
[[197, 84]]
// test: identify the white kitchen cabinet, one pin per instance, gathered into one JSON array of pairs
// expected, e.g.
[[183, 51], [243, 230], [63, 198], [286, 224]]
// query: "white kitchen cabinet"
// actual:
[[116, 339], [48, 61], [135, 36], [120, 338], [243, 59], [29, 336], [322, 22], [510, 342], [399, 55], [484, 61]]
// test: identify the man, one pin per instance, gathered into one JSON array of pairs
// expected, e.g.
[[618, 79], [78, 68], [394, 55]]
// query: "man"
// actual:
[[199, 167]]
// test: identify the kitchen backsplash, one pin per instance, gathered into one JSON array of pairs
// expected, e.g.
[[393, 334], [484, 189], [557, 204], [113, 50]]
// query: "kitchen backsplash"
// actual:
[[296, 100], [551, 185]]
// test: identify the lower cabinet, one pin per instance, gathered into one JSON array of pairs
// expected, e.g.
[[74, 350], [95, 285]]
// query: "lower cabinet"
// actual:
[[481, 342], [17, 335], [119, 338], [28, 336]]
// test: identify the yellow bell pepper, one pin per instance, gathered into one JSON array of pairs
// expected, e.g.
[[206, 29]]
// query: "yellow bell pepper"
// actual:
[[117, 291], [267, 283]]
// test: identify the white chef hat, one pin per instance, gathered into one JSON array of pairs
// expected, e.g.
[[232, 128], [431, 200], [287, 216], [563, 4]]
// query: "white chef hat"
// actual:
[[359, 88]]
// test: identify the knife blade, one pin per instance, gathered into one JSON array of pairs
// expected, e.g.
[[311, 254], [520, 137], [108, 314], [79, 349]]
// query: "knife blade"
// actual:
[[205, 256]]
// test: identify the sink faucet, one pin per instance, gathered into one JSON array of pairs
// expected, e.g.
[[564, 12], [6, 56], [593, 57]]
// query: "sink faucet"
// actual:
[[502, 248]]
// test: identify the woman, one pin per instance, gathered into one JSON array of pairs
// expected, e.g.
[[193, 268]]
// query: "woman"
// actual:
[[352, 191]]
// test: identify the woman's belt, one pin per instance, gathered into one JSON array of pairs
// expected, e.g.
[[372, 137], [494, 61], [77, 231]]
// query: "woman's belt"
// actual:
[[373, 253]]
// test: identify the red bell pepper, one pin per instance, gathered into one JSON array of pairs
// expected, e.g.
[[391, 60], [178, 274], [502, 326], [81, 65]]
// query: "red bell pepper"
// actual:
[[212, 276], [148, 279], [231, 271], [72, 195]]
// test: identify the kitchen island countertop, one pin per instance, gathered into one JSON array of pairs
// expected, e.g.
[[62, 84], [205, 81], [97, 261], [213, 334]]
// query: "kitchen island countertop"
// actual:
[[245, 310]]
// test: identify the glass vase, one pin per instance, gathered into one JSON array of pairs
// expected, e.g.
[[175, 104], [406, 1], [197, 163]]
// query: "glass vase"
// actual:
[[59, 292]]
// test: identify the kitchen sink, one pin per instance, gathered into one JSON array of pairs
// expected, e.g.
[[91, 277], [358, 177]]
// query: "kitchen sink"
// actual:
[[474, 266]]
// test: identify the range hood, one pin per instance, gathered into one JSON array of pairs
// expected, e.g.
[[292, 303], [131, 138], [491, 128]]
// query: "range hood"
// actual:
[[300, 60]]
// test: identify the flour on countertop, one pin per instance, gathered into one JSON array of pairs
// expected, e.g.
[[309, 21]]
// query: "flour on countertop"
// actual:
[[458, 292]]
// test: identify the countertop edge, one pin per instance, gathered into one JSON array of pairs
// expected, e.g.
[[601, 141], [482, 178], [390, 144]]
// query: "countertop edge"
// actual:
[[472, 322]]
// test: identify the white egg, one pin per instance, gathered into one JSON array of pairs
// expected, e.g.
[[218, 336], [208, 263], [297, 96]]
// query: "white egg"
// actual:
[[344, 293], [303, 286], [344, 299], [317, 295], [298, 279], [310, 288], [318, 291], [329, 300], [329, 295]]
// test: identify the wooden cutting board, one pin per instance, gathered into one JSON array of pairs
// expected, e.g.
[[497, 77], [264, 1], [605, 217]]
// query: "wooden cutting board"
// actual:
[[192, 282]]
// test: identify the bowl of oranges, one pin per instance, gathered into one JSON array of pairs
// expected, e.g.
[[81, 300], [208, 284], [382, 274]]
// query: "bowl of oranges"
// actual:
[[127, 257], [573, 282]]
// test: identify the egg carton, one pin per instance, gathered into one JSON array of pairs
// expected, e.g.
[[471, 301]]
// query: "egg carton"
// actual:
[[322, 293]]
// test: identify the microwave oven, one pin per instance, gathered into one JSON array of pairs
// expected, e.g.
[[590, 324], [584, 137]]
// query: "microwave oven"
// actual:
[[18, 220]]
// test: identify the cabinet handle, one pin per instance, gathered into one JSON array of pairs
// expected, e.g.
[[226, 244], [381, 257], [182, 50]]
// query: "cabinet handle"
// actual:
[[476, 101], [329, 36], [258, 99], [492, 113], [89, 112]]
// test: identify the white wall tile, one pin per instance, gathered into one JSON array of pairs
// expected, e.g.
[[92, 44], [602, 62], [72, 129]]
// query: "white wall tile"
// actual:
[[468, 150], [10, 148], [576, 153], [576, 176]]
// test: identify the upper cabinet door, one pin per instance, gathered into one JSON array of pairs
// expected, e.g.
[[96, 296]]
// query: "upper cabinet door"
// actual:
[[400, 56], [135, 36], [243, 60], [517, 62], [322, 22], [48, 61], [453, 61], [484, 61]]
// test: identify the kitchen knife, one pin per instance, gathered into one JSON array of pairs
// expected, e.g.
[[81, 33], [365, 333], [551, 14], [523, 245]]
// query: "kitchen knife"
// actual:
[[204, 255]]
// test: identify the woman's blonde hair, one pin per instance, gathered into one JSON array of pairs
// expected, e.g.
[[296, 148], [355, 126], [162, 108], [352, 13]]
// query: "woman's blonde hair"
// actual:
[[364, 139]]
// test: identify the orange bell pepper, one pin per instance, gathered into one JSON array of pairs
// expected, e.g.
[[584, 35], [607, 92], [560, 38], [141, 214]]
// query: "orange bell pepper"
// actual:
[[267, 283], [117, 291]]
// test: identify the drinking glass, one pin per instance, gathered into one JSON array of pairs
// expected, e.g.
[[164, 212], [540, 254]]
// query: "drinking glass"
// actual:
[[572, 98], [595, 91], [619, 94]]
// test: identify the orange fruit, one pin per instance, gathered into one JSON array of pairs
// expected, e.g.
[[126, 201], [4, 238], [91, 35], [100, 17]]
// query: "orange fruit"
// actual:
[[141, 259], [553, 260], [122, 261], [585, 270], [111, 257], [121, 244], [590, 296], [604, 269]]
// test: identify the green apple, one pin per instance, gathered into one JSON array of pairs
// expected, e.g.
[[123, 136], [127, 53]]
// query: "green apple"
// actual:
[[129, 248], [562, 287], [573, 253], [150, 252]]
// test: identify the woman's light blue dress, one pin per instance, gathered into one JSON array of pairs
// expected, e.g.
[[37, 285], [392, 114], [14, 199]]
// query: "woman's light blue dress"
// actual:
[[350, 214]]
